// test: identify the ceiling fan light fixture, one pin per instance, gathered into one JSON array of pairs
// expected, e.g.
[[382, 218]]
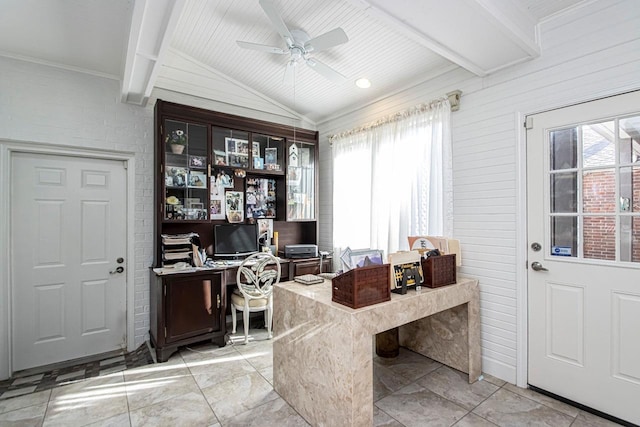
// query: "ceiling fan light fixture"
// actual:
[[363, 83]]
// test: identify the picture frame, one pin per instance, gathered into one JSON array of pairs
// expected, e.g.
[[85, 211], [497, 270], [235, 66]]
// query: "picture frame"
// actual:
[[270, 156], [223, 179], [238, 160], [219, 158], [197, 162], [189, 202], [234, 202], [216, 208], [265, 226], [175, 177], [406, 271], [255, 149], [230, 145], [197, 179], [366, 257], [258, 163]]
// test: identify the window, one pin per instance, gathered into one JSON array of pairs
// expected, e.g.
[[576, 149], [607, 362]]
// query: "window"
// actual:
[[390, 180]]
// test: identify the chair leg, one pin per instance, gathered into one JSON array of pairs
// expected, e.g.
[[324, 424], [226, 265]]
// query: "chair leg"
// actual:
[[233, 318], [245, 318], [269, 315]]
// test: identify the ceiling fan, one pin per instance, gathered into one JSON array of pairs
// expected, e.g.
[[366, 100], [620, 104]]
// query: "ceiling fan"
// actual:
[[300, 45]]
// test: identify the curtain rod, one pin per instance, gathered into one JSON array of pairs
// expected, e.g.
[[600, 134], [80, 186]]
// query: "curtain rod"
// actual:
[[454, 102]]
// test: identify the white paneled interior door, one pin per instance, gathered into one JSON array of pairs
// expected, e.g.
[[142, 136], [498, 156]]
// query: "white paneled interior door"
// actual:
[[68, 231], [583, 190]]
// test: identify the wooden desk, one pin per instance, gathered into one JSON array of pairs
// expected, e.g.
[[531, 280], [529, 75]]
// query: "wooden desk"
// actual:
[[323, 351], [188, 306]]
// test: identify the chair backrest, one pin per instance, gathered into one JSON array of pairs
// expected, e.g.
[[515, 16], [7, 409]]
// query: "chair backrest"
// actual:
[[254, 279]]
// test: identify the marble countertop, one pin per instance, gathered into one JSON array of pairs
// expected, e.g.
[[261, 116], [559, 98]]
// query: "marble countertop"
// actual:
[[413, 305]]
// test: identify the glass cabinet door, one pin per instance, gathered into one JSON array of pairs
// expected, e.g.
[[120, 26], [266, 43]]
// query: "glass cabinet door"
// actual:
[[185, 171], [267, 153], [301, 184]]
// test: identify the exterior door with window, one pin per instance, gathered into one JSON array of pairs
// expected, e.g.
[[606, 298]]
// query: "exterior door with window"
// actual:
[[583, 185]]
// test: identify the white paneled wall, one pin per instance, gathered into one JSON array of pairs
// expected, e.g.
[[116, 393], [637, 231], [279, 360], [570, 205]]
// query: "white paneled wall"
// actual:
[[587, 53]]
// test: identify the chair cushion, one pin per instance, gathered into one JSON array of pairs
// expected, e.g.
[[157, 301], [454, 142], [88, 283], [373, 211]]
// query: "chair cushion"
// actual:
[[238, 300]]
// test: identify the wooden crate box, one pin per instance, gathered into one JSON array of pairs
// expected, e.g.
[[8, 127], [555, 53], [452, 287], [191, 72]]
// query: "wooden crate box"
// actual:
[[362, 286]]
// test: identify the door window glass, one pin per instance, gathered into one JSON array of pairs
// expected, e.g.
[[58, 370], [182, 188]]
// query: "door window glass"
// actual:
[[594, 197], [564, 197], [598, 144], [599, 191]]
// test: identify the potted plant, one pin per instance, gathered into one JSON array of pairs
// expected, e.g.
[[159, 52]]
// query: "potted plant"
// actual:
[[177, 139]]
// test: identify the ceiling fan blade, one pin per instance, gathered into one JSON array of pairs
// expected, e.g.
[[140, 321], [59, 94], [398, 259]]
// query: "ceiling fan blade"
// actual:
[[332, 38], [325, 71], [261, 47], [276, 20], [289, 73]]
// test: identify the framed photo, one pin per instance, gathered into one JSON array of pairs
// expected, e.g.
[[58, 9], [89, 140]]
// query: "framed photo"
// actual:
[[238, 160], [406, 268], [216, 208], [230, 145], [175, 177], [365, 257], [270, 156], [197, 161], [265, 226], [219, 158], [189, 202], [258, 163], [197, 179], [255, 149], [242, 147], [223, 178], [235, 206]]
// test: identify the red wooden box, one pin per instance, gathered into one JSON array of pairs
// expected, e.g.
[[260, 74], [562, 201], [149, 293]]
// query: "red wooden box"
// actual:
[[362, 286], [439, 270]]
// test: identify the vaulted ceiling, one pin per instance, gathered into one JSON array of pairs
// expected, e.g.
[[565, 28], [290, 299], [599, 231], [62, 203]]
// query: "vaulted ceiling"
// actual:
[[185, 45]]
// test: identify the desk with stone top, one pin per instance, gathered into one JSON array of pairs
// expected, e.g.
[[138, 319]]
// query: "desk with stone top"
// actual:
[[323, 351]]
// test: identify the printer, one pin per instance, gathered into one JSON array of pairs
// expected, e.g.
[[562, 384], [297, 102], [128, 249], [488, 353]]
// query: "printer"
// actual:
[[301, 251]]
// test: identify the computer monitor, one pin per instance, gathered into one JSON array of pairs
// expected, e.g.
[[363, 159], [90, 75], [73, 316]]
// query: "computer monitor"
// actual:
[[235, 240]]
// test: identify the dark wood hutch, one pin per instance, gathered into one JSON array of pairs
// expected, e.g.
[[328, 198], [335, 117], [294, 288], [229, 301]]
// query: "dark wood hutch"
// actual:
[[187, 197]]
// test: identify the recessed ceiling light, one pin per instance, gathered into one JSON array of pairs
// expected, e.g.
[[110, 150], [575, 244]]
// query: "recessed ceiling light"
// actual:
[[363, 83]]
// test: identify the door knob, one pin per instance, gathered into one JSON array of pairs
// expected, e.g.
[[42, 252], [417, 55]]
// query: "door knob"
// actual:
[[117, 270], [536, 266]]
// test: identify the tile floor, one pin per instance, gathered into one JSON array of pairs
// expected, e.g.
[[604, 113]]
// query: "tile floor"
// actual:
[[231, 386], [34, 380]]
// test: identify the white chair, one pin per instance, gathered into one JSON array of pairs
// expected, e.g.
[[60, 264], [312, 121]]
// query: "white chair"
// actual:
[[255, 289]]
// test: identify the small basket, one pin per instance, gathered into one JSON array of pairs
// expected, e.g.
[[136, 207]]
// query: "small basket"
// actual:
[[439, 270], [362, 286]]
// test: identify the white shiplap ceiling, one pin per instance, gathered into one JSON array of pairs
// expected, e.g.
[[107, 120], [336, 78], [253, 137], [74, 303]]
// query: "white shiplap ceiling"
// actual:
[[396, 44]]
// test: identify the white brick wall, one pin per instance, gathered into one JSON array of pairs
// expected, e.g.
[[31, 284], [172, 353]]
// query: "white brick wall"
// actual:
[[53, 106], [46, 105]]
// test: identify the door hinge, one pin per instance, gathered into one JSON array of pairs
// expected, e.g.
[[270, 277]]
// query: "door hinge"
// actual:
[[165, 290], [528, 123], [161, 168], [218, 301], [165, 331], [125, 164]]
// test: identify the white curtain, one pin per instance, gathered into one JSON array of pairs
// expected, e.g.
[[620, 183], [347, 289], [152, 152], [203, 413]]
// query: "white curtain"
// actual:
[[392, 179]]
